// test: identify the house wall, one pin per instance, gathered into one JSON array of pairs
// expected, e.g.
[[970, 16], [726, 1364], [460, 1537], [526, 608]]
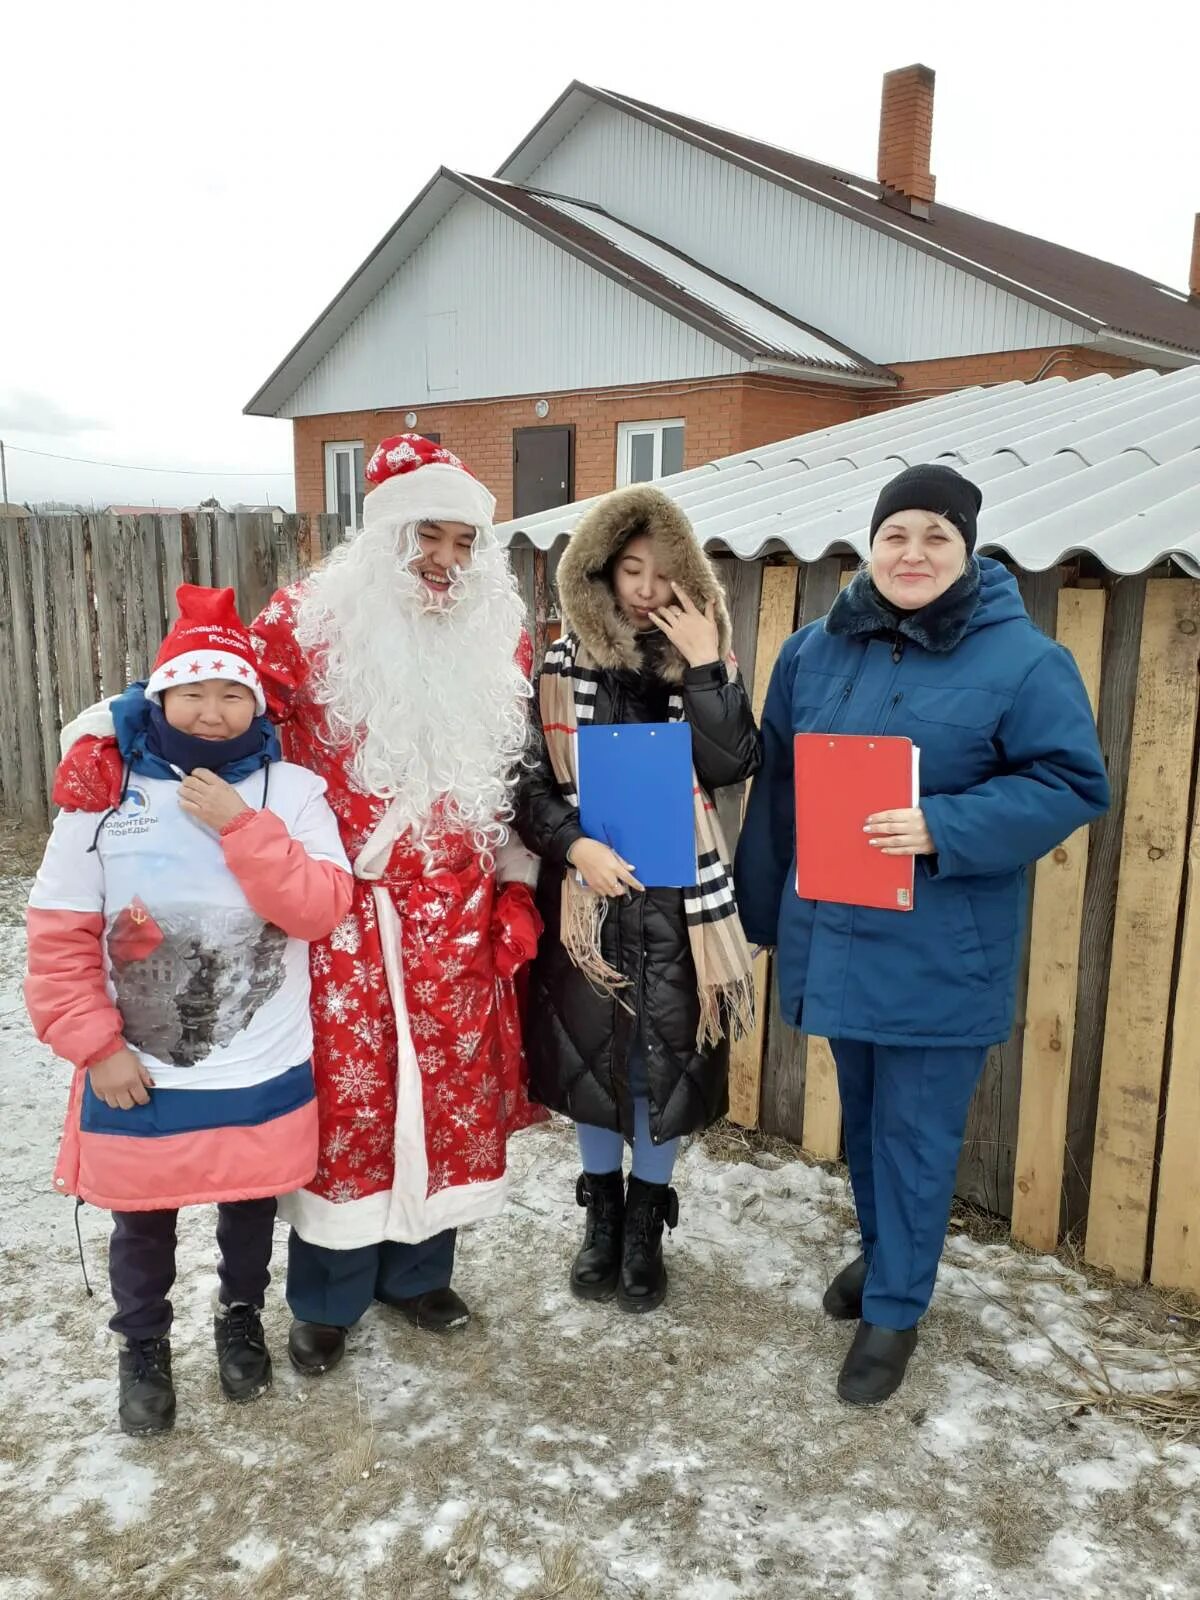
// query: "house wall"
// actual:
[[484, 306], [721, 417]]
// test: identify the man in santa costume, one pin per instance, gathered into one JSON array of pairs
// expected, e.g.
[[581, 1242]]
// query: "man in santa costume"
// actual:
[[398, 671]]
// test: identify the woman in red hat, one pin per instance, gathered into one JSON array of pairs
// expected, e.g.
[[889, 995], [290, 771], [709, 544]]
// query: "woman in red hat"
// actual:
[[168, 961]]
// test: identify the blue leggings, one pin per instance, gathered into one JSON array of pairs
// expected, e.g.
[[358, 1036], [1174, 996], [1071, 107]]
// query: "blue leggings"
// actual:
[[603, 1149]]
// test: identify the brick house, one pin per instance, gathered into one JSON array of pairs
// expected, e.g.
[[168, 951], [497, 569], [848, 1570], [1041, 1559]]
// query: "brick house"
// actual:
[[637, 292]]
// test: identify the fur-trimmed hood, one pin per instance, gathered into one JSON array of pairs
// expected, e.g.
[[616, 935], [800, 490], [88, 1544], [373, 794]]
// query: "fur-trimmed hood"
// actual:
[[588, 602]]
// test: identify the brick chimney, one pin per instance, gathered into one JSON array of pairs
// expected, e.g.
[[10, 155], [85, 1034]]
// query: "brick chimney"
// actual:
[[905, 136], [1194, 274]]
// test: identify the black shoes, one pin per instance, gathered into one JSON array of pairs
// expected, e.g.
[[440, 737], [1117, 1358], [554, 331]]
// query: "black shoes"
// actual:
[[875, 1366], [146, 1402], [649, 1207], [843, 1298], [243, 1360], [596, 1268], [314, 1348], [438, 1311]]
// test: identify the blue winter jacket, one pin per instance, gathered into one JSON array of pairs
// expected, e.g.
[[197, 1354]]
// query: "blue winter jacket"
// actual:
[[1010, 766]]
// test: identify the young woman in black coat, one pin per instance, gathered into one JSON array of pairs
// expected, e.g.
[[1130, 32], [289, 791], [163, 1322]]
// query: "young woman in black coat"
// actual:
[[629, 1037]]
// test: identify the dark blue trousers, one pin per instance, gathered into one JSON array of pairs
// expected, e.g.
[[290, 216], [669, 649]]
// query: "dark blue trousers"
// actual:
[[904, 1112], [336, 1286], [141, 1263]]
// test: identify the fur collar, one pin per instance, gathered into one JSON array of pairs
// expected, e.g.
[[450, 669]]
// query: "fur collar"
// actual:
[[589, 605], [860, 612]]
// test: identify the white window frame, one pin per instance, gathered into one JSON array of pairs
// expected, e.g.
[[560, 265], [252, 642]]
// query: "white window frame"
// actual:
[[333, 449], [625, 433]]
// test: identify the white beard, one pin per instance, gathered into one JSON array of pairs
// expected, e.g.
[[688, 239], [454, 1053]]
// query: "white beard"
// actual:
[[427, 692]]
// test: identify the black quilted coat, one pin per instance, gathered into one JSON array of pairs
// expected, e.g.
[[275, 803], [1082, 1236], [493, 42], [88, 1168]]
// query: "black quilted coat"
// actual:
[[578, 1042]]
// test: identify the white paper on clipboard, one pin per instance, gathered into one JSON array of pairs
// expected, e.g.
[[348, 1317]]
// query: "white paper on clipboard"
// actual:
[[916, 775]]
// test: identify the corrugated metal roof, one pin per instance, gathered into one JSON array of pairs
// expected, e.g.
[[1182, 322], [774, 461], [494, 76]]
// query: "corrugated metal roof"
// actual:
[[1084, 288], [1106, 466]]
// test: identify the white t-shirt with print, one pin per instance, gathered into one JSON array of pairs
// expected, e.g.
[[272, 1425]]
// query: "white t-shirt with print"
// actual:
[[211, 996]]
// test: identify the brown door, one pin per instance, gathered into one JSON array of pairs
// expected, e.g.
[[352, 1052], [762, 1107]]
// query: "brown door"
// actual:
[[543, 469]]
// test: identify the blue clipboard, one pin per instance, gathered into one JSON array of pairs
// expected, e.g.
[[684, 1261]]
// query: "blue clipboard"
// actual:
[[635, 794]]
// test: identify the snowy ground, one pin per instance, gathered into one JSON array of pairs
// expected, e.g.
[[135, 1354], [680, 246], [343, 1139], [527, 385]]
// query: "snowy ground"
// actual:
[[561, 1450]]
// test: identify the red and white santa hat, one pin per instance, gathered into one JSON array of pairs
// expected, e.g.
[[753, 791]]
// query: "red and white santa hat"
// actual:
[[209, 640], [411, 479]]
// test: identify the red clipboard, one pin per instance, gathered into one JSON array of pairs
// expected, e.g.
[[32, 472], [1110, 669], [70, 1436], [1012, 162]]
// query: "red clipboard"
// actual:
[[841, 780]]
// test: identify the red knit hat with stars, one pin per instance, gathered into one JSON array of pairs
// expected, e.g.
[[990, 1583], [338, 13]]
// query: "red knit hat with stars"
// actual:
[[209, 640]]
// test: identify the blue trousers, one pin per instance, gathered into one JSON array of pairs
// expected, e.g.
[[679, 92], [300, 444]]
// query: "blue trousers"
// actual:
[[603, 1149], [336, 1286], [141, 1263], [904, 1112]]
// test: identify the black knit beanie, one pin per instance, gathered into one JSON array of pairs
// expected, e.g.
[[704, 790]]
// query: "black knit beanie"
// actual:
[[935, 488]]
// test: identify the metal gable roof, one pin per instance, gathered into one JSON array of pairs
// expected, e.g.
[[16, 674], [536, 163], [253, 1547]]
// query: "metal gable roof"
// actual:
[[725, 311], [1126, 306], [1105, 466]]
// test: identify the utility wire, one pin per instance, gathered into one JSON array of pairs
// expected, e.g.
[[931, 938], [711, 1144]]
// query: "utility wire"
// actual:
[[124, 466]]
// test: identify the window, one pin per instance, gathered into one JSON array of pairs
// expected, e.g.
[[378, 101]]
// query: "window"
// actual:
[[344, 483], [648, 450]]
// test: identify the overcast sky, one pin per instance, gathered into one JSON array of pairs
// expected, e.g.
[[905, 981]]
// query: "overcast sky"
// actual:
[[185, 187]]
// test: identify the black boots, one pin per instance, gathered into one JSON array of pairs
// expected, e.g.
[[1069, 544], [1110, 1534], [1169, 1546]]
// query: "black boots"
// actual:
[[875, 1366], [314, 1347], [596, 1268], [146, 1402], [437, 1311], [243, 1360], [843, 1298], [648, 1208], [622, 1241]]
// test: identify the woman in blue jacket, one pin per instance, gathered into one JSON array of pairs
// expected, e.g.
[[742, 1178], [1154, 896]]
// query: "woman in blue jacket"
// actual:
[[932, 643]]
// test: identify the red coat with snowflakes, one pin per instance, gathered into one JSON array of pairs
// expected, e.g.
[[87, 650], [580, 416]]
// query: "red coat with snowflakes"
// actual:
[[417, 1053]]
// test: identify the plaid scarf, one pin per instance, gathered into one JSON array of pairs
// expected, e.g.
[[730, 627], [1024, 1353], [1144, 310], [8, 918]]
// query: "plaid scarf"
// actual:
[[724, 981]]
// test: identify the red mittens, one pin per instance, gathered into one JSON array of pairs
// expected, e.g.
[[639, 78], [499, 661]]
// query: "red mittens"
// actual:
[[516, 928], [89, 776]]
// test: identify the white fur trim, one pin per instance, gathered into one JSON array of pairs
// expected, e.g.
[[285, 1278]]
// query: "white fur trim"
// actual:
[[407, 1212], [94, 723], [434, 493], [515, 864], [214, 665]]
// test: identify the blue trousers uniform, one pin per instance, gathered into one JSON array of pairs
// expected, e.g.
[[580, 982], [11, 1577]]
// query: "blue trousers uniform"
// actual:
[[904, 1111], [336, 1286]]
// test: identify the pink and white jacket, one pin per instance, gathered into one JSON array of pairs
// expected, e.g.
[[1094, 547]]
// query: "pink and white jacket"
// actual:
[[146, 929]]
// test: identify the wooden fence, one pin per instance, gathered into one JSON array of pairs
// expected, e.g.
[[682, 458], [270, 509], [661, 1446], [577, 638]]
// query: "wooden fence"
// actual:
[[84, 602], [1089, 1114]]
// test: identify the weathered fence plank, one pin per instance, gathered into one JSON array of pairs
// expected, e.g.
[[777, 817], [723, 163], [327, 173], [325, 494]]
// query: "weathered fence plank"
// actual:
[[988, 1162], [87, 658], [786, 1057], [776, 618], [822, 1099], [1054, 976], [256, 551], [56, 532], [171, 540], [42, 601], [31, 777], [1118, 683], [1152, 858], [225, 553], [1175, 1262], [10, 762], [108, 566], [742, 583], [137, 640]]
